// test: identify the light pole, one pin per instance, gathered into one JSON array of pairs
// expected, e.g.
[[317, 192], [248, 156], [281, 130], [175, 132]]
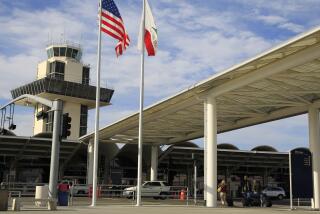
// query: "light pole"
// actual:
[[55, 149]]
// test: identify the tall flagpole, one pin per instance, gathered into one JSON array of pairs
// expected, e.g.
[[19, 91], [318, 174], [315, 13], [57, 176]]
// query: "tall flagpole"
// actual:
[[96, 137], [141, 110]]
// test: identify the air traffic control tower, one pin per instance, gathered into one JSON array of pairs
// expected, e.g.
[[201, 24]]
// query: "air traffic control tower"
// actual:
[[63, 76]]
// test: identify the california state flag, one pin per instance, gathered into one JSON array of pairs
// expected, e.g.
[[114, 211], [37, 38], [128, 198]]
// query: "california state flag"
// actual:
[[150, 29]]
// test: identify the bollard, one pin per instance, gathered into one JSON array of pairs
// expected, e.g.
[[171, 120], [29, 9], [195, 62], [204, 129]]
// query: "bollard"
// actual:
[[16, 204]]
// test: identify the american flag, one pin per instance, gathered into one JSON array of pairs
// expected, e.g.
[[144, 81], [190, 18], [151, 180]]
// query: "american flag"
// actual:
[[112, 24]]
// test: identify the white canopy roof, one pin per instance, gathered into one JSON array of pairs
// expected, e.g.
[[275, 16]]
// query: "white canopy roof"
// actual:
[[280, 83]]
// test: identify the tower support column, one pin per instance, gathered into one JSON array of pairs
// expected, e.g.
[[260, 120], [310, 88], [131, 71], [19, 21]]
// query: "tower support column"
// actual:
[[314, 144], [211, 152], [154, 163], [55, 149]]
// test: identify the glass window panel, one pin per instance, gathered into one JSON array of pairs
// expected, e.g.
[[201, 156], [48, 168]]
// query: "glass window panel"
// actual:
[[51, 52], [62, 51], [83, 131], [85, 75], [59, 67], [79, 56], [69, 52], [84, 109], [83, 120], [74, 53], [51, 67], [56, 51]]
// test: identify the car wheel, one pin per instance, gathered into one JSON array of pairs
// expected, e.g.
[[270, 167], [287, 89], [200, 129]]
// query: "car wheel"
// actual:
[[163, 195], [268, 203], [245, 202], [280, 197]]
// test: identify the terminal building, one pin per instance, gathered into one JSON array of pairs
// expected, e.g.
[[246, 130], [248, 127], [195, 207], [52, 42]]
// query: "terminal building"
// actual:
[[280, 83], [64, 76]]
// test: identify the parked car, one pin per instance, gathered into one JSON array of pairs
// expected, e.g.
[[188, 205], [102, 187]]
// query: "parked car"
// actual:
[[77, 189], [274, 192], [155, 189]]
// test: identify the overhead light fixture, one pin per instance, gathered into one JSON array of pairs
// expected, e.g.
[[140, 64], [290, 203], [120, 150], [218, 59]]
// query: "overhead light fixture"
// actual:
[[12, 126], [41, 115]]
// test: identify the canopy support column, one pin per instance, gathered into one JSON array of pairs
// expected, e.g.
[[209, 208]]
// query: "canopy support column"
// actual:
[[314, 144], [154, 163], [211, 152], [90, 157]]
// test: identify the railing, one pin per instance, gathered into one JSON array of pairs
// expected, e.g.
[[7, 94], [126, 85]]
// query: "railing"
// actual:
[[120, 192], [25, 189], [14, 194], [301, 202], [83, 191]]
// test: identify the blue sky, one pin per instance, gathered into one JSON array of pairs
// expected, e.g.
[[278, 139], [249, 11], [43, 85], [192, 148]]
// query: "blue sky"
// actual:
[[196, 40]]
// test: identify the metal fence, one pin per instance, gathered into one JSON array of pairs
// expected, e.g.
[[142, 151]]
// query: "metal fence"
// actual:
[[83, 192]]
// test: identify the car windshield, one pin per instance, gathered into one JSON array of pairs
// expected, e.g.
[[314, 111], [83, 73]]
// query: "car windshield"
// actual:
[[146, 184]]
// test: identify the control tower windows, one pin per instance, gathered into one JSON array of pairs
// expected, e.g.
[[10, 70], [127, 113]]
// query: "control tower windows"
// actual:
[[85, 75], [63, 51], [56, 70], [56, 51], [69, 52], [83, 120], [50, 53], [74, 53]]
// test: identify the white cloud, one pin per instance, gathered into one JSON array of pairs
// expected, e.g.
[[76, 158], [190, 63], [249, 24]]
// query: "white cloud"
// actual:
[[281, 22], [16, 71]]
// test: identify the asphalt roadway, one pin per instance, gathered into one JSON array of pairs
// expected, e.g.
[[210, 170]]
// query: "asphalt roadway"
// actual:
[[113, 206]]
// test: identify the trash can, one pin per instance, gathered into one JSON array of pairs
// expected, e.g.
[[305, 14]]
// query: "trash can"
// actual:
[[63, 198], [4, 195], [42, 193]]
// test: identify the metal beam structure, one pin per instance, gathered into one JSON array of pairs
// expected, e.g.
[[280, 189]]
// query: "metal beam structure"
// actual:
[[56, 107], [279, 83]]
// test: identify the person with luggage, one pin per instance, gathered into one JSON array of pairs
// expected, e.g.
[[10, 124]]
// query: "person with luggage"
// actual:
[[222, 190], [246, 187]]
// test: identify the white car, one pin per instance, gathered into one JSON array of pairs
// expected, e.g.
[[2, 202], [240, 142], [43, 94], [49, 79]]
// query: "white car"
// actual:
[[77, 189], [276, 192], [155, 189]]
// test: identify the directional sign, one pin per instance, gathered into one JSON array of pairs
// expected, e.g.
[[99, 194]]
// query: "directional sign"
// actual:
[[301, 163]]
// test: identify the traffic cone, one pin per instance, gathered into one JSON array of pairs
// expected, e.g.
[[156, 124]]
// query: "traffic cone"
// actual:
[[182, 195]]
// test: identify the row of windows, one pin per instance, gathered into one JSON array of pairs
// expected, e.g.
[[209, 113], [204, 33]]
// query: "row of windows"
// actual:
[[83, 120], [57, 71], [64, 52], [49, 122], [85, 75]]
